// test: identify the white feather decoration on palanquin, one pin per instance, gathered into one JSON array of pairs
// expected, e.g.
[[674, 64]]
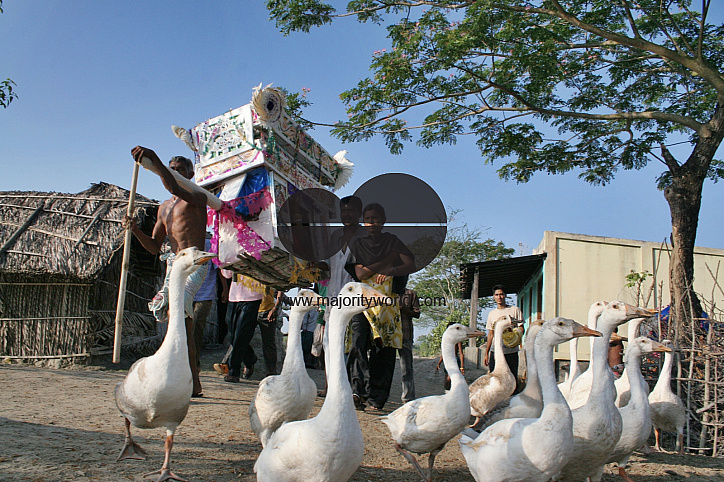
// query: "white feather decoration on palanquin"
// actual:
[[185, 136], [269, 104], [344, 169]]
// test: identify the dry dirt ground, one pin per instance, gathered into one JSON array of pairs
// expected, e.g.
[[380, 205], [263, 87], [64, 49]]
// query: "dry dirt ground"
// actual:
[[62, 424]]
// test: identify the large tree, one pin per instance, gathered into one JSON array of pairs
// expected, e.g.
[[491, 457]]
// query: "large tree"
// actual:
[[590, 86], [440, 280]]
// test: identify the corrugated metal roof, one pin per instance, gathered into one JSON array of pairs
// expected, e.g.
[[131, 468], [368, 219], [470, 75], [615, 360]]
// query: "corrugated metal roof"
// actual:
[[512, 273]]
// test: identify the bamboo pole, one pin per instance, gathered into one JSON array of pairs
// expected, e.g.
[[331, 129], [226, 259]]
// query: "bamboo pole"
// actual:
[[45, 357], [707, 378], [124, 270], [715, 448], [474, 300], [691, 369]]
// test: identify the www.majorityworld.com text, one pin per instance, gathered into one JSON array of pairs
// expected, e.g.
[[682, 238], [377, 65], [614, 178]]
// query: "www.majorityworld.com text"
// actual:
[[365, 301]]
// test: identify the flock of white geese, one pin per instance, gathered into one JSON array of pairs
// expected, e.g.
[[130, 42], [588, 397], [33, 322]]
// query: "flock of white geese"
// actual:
[[548, 432]]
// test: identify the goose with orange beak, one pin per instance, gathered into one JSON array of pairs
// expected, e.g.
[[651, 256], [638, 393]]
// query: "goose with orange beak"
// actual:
[[425, 425]]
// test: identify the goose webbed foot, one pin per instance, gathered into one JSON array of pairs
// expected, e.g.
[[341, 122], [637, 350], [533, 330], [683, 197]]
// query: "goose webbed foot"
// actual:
[[431, 461], [657, 435], [163, 474], [411, 458], [131, 450], [624, 475]]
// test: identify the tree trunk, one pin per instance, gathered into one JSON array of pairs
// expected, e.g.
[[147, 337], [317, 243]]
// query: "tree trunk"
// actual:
[[684, 198]]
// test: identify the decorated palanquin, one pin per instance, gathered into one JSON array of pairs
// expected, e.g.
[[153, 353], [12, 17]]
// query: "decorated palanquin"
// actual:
[[253, 158]]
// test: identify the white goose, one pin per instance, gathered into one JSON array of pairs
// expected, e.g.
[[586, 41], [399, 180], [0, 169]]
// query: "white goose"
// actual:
[[667, 410], [157, 390], [529, 402], [574, 371], [328, 447], [597, 424], [636, 415], [492, 388], [578, 385], [425, 425], [530, 449], [622, 384], [290, 395]]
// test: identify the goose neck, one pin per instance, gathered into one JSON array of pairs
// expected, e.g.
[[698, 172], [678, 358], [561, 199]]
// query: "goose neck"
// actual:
[[599, 360], [664, 381], [532, 386], [546, 373], [175, 338], [498, 344], [451, 366], [592, 324], [338, 388], [636, 380], [633, 328], [294, 354], [573, 371]]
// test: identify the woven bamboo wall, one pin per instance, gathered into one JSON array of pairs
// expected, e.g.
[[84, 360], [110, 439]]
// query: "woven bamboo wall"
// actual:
[[44, 319]]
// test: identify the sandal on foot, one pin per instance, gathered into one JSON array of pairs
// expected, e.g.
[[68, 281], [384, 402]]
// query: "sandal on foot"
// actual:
[[231, 379], [359, 404]]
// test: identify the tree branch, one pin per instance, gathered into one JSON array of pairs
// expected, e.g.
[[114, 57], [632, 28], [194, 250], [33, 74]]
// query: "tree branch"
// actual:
[[631, 21], [704, 11], [697, 66], [656, 115], [406, 4], [678, 30], [671, 162]]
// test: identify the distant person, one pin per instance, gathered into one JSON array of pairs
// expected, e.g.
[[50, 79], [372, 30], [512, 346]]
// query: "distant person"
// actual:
[[203, 301], [183, 220], [511, 352], [245, 296], [266, 317], [222, 304], [309, 324], [383, 262], [409, 309], [615, 354]]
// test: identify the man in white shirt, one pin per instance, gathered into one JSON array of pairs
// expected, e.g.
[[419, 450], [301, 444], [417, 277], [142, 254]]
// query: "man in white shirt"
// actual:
[[502, 308], [245, 296]]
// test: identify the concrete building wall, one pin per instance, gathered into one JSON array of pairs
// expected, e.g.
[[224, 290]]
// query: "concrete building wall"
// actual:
[[581, 269]]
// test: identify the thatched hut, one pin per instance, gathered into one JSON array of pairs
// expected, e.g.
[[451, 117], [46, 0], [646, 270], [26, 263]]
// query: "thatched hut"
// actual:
[[60, 263]]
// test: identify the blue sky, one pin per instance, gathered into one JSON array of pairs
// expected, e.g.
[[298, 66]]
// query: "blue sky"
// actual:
[[96, 78]]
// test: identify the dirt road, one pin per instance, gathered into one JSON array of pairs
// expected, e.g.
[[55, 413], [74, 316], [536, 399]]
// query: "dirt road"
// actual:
[[62, 424]]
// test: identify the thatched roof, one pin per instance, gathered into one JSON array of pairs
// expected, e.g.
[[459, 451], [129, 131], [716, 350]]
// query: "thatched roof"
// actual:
[[67, 235]]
